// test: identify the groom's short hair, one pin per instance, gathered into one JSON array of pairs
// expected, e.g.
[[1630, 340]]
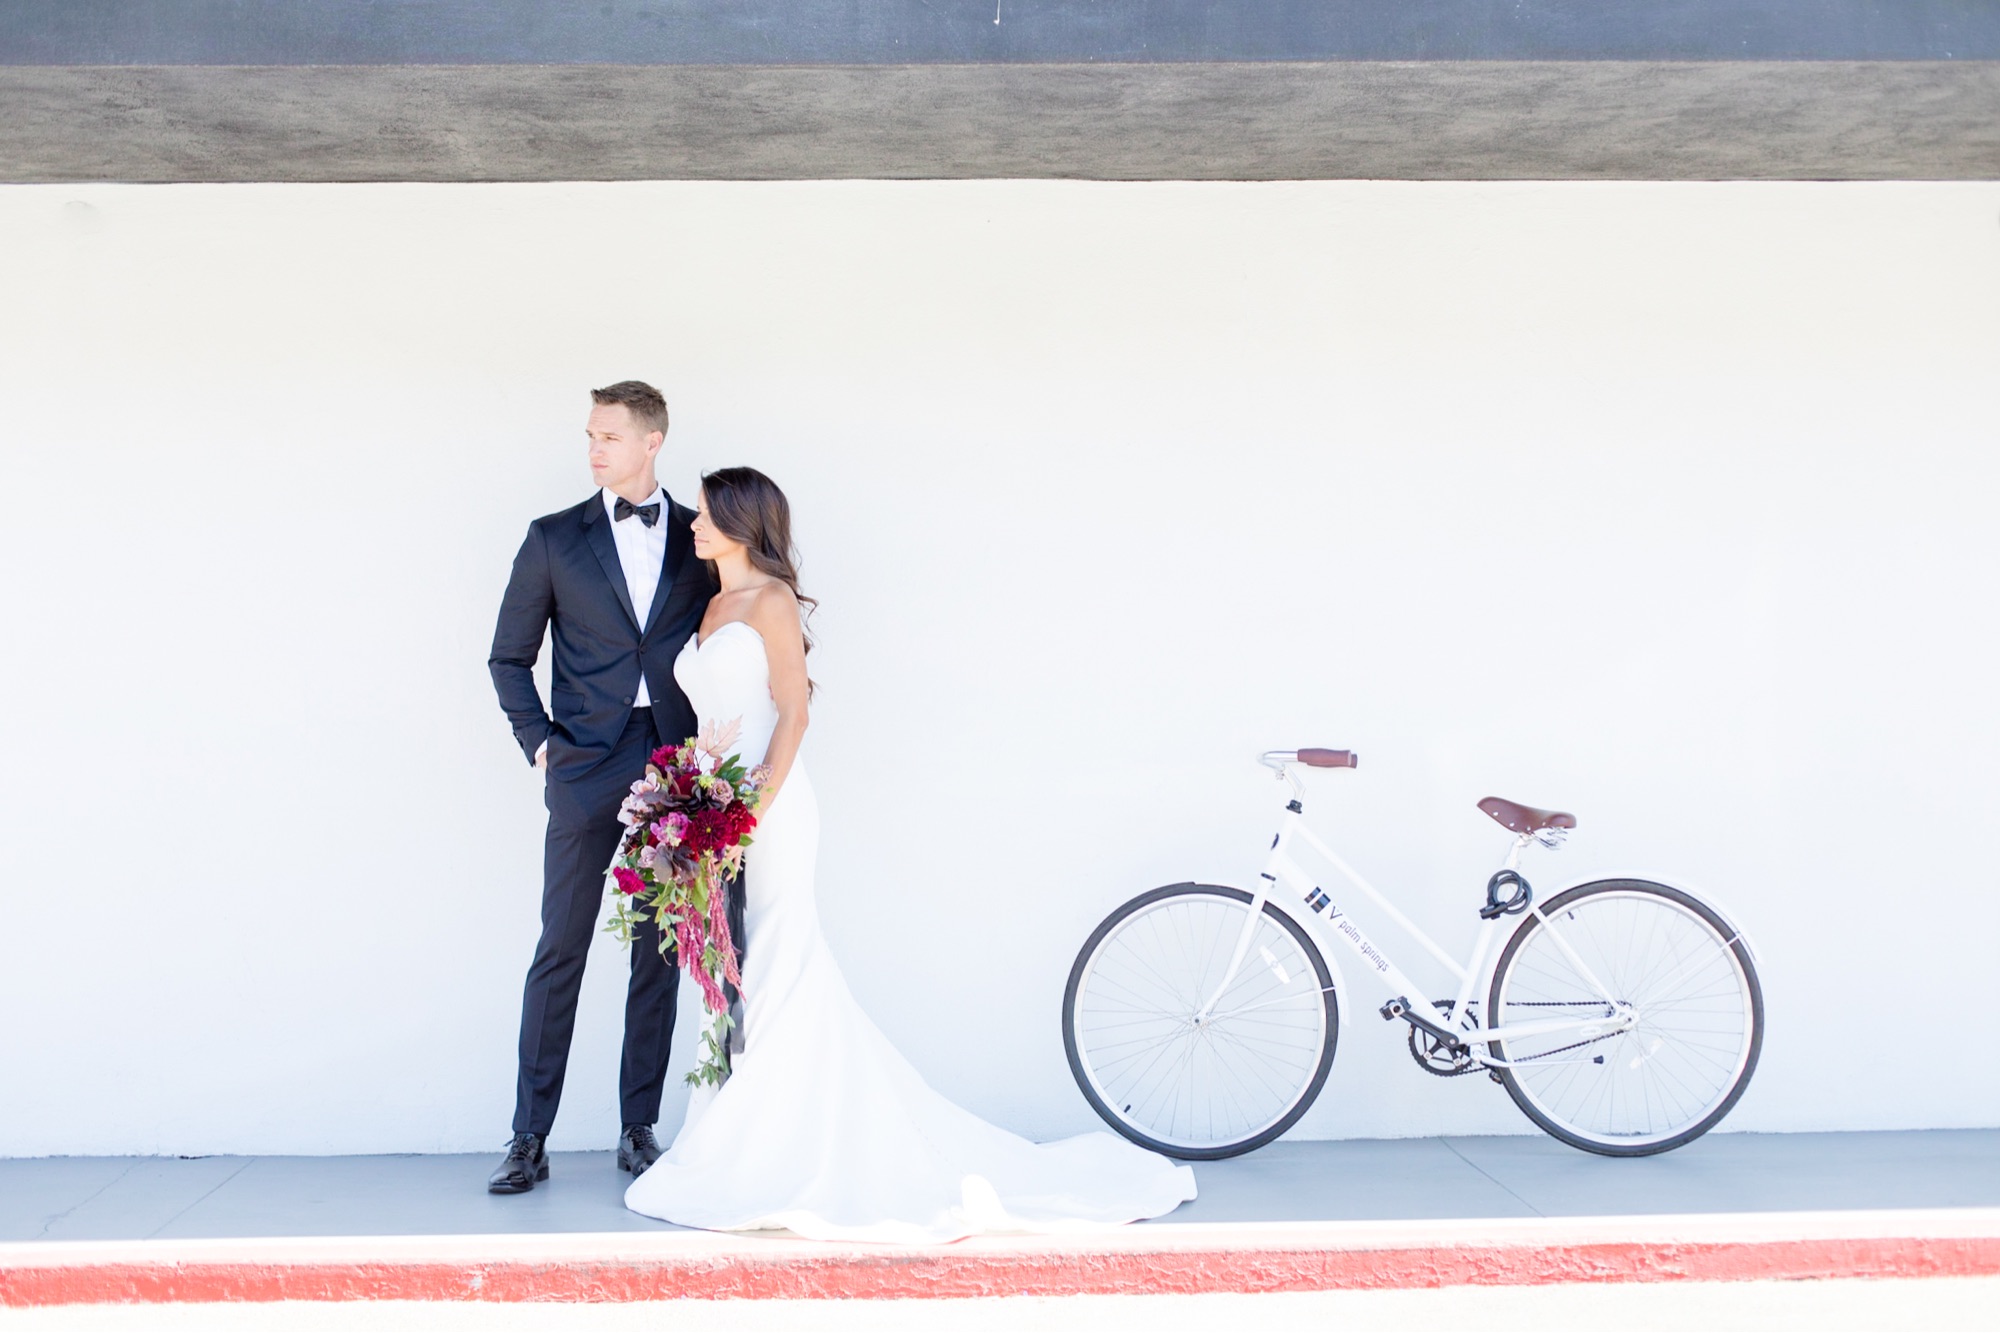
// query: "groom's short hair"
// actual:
[[641, 399]]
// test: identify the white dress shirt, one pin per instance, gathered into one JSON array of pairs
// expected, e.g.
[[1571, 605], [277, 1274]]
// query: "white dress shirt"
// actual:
[[642, 551]]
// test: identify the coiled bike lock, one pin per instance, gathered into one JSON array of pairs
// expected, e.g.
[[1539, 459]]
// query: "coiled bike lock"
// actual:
[[1517, 902]]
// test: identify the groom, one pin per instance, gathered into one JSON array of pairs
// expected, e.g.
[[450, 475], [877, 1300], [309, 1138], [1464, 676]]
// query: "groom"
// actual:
[[617, 582]]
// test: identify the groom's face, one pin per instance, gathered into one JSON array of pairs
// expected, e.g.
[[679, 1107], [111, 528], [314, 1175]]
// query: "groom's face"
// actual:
[[621, 449]]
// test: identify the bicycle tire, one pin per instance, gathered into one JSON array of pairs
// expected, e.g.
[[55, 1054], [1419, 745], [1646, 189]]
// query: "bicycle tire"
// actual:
[[1742, 1063], [1185, 1147]]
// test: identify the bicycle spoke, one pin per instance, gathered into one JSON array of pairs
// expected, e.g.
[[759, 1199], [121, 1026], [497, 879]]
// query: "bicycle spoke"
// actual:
[[1163, 1069], [1687, 1003]]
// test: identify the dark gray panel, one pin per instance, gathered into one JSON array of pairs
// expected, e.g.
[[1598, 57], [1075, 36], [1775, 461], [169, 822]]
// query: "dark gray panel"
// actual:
[[1429, 121], [638, 32]]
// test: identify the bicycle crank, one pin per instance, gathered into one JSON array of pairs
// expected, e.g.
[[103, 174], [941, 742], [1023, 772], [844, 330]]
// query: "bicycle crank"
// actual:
[[1433, 1056], [1437, 1050]]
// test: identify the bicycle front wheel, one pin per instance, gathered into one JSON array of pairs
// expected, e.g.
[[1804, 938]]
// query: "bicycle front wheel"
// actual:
[[1691, 985], [1161, 1073]]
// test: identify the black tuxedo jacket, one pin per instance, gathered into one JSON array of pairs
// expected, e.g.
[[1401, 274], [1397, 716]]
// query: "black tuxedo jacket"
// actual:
[[567, 576]]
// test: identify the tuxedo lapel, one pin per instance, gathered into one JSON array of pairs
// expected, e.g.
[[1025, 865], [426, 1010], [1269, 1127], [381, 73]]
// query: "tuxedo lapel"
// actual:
[[680, 541], [597, 535]]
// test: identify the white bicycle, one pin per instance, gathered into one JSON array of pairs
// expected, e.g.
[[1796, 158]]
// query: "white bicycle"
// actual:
[[1624, 1016]]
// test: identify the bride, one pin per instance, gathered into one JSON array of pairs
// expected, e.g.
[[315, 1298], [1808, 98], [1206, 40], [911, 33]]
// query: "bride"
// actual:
[[823, 1128]]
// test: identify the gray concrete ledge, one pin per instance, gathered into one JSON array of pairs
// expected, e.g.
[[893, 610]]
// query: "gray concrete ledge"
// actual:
[[1787, 120]]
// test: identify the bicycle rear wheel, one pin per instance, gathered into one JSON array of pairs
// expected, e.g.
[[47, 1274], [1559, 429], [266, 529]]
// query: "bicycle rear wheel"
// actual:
[[1672, 1075], [1199, 1090]]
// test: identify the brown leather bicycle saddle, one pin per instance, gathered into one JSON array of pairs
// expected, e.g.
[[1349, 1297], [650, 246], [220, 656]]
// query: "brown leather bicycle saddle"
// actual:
[[1525, 818]]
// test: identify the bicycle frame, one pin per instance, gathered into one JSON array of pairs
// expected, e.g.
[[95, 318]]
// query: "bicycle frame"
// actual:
[[1473, 976]]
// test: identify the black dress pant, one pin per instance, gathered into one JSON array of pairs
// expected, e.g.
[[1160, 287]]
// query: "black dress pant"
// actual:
[[583, 833]]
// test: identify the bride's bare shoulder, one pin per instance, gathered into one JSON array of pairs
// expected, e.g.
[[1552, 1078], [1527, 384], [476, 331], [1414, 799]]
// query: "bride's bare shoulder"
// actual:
[[774, 611]]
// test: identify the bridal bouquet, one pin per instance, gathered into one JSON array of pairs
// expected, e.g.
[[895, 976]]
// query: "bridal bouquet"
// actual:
[[687, 823]]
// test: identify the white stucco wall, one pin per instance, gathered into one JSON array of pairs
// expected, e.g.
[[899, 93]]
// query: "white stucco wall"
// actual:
[[1669, 504]]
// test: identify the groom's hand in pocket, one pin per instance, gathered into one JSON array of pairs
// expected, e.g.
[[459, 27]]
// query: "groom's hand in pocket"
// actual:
[[542, 756]]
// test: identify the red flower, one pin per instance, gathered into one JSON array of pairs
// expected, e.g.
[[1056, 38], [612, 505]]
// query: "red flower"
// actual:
[[706, 831], [711, 830], [628, 880]]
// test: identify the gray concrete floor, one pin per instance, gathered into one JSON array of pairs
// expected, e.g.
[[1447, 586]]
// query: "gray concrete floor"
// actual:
[[128, 1198]]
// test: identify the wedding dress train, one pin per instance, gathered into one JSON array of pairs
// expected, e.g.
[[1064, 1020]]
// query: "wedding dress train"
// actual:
[[823, 1128]]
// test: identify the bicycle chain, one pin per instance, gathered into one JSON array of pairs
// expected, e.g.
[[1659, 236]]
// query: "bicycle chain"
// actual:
[[1563, 1004], [1424, 1062], [1575, 1046]]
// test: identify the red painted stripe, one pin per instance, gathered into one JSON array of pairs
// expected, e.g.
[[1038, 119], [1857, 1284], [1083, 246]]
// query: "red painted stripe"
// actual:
[[849, 1275]]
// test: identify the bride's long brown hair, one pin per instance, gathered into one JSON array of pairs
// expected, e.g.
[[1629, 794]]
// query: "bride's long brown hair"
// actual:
[[746, 506]]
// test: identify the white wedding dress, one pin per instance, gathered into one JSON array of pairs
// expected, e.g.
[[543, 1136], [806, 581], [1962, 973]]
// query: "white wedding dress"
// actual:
[[823, 1128]]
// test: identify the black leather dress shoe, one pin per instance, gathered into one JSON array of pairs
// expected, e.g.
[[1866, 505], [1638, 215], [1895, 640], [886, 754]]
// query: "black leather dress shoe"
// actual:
[[527, 1162], [637, 1149]]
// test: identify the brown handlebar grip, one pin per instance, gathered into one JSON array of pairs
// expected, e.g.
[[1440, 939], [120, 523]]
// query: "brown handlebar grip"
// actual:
[[1315, 757]]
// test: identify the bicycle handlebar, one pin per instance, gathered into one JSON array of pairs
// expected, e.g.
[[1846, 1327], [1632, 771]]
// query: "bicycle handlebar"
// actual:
[[1313, 756]]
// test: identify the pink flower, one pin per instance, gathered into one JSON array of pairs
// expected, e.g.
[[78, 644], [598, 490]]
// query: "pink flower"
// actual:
[[628, 880], [718, 931], [687, 942]]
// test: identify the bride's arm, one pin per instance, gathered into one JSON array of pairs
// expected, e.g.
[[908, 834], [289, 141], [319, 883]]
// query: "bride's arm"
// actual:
[[775, 615]]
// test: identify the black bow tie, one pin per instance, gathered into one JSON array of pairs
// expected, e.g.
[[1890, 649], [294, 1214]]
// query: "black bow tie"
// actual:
[[624, 509]]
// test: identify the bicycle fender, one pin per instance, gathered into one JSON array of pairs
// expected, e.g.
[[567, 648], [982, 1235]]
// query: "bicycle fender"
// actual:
[[1341, 990], [1313, 924], [1693, 891]]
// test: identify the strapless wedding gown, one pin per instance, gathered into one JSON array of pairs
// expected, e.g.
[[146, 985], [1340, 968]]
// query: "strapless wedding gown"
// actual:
[[823, 1128]]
